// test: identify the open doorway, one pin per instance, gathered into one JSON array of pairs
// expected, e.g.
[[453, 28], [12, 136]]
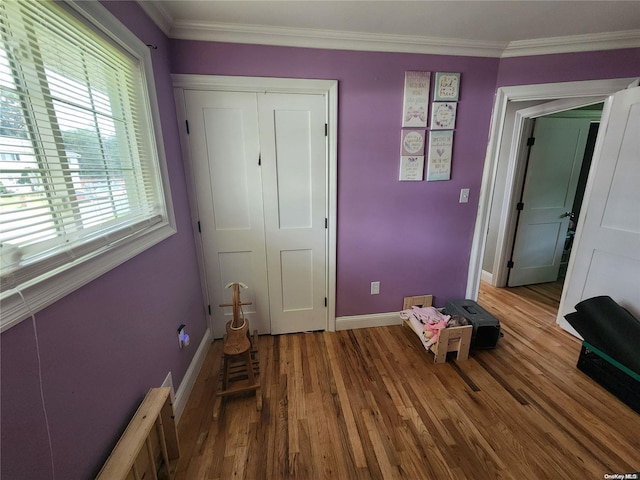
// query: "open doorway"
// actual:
[[557, 156], [514, 110]]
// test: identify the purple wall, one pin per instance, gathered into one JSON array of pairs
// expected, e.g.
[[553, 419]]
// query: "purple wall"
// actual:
[[105, 345], [569, 67], [413, 237]]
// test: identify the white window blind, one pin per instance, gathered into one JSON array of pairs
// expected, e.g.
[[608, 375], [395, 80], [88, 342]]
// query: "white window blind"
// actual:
[[78, 163]]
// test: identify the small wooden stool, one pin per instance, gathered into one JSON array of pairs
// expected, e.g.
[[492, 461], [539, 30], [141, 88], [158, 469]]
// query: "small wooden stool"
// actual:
[[239, 373]]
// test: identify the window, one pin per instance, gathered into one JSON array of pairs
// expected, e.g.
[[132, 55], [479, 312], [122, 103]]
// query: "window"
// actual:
[[81, 177]]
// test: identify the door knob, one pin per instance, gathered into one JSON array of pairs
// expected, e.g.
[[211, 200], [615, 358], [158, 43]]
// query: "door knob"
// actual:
[[567, 214]]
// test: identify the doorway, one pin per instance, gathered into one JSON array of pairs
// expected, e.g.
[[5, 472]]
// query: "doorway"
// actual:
[[260, 156], [557, 160], [502, 168]]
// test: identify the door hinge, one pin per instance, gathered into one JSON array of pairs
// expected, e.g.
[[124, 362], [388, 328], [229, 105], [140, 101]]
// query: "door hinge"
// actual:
[[187, 124], [520, 206], [531, 141], [326, 222], [199, 228], [325, 301], [326, 129], [510, 264], [259, 159], [209, 308]]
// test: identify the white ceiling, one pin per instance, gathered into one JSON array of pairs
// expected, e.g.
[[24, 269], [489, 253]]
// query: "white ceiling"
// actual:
[[471, 27]]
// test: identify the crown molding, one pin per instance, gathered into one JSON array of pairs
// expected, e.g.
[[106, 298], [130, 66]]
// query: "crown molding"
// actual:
[[160, 16], [330, 39], [573, 43], [341, 40]]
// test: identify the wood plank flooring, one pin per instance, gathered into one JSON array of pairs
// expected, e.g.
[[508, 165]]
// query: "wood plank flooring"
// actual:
[[371, 404]]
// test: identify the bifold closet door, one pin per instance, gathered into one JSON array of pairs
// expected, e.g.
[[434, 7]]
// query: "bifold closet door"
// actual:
[[294, 152], [223, 138], [259, 162]]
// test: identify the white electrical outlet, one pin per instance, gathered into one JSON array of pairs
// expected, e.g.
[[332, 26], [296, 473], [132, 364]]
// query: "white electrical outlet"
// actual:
[[375, 288]]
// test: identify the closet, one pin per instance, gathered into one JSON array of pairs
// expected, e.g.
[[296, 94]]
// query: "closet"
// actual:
[[259, 168]]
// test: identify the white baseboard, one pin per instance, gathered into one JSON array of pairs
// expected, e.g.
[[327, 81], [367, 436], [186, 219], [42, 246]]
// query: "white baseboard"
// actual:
[[486, 277], [184, 390], [168, 382], [364, 321]]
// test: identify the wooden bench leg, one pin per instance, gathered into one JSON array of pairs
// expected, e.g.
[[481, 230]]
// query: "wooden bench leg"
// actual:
[[463, 347]]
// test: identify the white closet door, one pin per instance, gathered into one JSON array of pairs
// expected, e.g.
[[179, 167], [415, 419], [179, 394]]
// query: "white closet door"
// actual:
[[293, 144], [225, 149]]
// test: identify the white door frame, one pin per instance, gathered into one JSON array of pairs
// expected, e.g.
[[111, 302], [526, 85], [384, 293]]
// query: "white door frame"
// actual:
[[568, 95], [329, 88]]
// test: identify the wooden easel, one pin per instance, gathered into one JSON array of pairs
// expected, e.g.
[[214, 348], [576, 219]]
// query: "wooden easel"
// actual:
[[240, 371]]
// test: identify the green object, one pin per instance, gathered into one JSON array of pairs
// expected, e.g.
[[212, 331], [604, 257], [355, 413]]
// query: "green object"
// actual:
[[615, 363]]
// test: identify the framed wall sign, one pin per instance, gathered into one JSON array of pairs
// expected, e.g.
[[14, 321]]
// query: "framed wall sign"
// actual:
[[412, 168], [416, 99], [447, 87], [443, 115], [440, 149], [412, 155], [412, 142]]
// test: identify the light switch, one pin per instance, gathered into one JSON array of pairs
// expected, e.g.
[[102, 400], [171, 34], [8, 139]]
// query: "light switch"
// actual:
[[464, 195]]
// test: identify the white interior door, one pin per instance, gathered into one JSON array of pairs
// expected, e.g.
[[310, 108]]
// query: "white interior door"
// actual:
[[606, 258], [550, 186], [260, 163], [293, 144], [225, 149]]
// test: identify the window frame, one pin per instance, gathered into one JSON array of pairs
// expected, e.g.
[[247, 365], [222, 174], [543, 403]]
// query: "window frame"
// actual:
[[23, 301]]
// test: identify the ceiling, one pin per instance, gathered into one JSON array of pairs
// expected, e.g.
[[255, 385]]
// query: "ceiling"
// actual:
[[472, 27]]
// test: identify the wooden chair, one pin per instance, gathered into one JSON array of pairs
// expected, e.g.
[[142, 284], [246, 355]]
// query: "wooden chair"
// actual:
[[240, 370]]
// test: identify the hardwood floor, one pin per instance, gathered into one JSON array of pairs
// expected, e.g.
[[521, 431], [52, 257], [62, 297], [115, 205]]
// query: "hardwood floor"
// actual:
[[371, 404]]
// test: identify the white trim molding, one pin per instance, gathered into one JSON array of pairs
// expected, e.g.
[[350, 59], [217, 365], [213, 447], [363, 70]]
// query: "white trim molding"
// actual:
[[333, 40], [159, 14], [366, 321], [378, 42], [190, 376], [573, 43]]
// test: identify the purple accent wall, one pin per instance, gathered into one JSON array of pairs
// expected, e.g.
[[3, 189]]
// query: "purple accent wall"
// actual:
[[105, 345], [413, 237], [569, 67]]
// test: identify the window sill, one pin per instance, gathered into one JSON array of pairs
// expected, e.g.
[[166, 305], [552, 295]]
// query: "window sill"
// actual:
[[20, 303]]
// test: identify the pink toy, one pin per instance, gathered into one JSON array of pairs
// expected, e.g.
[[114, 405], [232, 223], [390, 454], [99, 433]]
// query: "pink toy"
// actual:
[[432, 332]]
